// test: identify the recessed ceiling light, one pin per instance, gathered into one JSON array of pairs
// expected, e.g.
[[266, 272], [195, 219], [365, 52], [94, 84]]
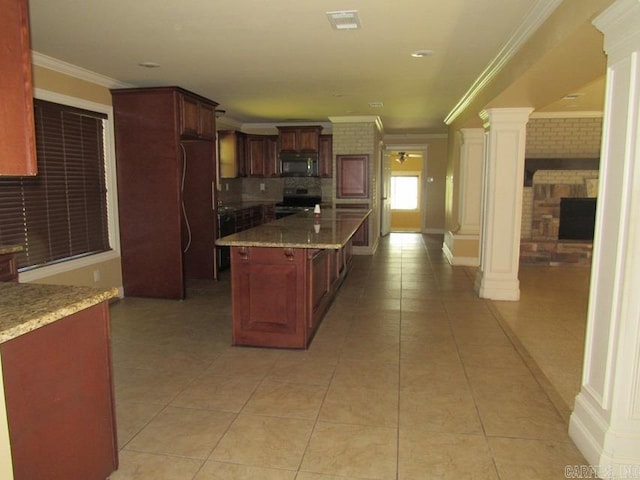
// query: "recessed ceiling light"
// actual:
[[344, 20], [422, 53], [149, 64]]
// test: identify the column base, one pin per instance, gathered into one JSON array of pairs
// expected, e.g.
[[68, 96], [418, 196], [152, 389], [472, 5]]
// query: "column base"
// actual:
[[462, 249], [497, 288]]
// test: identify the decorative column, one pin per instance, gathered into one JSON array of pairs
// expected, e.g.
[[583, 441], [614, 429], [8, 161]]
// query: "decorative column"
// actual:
[[497, 277], [605, 424], [461, 246]]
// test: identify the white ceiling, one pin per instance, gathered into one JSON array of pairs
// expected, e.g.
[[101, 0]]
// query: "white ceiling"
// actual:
[[280, 61]]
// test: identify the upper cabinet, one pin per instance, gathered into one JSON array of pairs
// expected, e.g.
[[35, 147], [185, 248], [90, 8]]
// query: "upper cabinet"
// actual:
[[299, 139], [197, 118], [17, 133], [325, 156], [231, 145]]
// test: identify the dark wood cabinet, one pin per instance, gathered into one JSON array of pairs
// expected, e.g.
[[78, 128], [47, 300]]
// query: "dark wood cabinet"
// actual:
[[8, 268], [197, 119], [353, 176], [299, 139], [166, 188], [262, 156], [58, 388], [325, 156], [268, 286], [17, 132]]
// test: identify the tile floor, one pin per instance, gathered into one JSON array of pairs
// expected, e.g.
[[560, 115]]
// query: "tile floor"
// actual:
[[410, 377]]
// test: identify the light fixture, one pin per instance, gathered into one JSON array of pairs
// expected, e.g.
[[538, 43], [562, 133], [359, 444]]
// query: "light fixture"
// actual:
[[402, 156], [422, 53], [220, 113], [344, 20], [149, 64]]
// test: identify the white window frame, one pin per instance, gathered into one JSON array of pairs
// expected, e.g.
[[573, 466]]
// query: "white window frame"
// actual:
[[419, 199], [110, 183]]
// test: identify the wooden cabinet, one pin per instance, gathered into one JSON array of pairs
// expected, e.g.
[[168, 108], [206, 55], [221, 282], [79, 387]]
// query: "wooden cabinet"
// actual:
[[231, 154], [17, 133], [325, 156], [353, 176], [321, 275], [197, 118], [166, 191], [268, 286], [58, 388], [262, 156], [361, 236], [8, 268], [299, 139]]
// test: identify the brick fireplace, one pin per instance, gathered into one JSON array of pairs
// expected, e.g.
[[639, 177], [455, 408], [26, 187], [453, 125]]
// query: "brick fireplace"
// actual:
[[540, 243]]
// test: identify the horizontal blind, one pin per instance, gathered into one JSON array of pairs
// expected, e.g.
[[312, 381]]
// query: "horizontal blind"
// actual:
[[61, 213]]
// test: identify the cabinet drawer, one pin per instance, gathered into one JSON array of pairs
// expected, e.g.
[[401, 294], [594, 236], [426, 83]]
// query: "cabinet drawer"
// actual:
[[8, 270]]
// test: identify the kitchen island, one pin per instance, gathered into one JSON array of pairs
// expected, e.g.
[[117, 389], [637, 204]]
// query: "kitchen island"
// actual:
[[57, 414], [285, 273]]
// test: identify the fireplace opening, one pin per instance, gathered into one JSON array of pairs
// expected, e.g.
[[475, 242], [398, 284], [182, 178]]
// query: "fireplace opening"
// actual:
[[577, 218]]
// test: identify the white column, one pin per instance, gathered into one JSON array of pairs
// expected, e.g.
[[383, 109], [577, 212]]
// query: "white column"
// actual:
[[497, 277], [461, 246], [605, 424], [471, 158]]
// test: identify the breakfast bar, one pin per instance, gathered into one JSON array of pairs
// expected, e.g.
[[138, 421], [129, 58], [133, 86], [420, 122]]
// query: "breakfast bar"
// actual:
[[285, 273]]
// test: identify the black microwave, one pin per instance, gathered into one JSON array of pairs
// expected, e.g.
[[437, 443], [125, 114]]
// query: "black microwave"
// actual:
[[299, 164]]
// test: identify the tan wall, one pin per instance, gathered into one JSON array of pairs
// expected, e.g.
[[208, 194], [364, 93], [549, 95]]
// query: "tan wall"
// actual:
[[437, 167], [109, 271]]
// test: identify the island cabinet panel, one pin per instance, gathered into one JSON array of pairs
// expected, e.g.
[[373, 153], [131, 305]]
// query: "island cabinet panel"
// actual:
[[320, 283], [59, 395], [17, 133], [268, 296]]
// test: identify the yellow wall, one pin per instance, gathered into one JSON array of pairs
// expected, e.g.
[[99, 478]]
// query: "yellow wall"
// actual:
[[403, 220], [108, 271]]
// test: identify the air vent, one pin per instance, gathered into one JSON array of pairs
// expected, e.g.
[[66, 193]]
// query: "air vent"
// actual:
[[375, 105], [344, 20]]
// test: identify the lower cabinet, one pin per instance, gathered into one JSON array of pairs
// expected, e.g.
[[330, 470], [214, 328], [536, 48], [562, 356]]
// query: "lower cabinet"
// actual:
[[280, 295], [59, 399], [8, 268]]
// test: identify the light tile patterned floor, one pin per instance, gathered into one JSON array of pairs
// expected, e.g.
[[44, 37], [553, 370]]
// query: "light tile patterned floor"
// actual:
[[410, 377]]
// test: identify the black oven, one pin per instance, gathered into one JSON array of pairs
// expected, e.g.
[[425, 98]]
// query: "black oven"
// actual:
[[296, 200]]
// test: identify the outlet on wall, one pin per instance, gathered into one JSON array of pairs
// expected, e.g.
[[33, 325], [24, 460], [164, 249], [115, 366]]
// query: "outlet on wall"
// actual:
[[96, 275], [262, 187]]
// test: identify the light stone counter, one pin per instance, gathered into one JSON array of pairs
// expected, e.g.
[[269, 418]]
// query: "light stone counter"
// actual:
[[10, 249], [332, 230], [27, 306]]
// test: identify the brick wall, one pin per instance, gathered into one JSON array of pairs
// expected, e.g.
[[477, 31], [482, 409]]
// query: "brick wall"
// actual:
[[564, 137]]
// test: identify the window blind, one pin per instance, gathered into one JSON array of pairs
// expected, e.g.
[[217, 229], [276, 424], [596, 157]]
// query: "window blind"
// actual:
[[61, 213]]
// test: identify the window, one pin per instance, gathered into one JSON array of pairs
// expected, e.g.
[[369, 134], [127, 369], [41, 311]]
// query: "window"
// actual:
[[405, 191], [61, 213]]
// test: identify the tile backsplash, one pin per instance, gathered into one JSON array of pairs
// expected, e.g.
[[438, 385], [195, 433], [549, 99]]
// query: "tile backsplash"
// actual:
[[248, 189]]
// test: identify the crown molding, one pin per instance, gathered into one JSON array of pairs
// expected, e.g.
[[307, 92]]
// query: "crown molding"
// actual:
[[585, 114], [534, 19], [359, 119], [60, 66]]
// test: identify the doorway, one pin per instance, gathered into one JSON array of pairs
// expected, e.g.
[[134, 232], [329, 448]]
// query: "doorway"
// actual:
[[406, 190]]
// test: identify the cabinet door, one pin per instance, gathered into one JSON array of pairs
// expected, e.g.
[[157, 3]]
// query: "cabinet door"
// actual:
[[287, 139], [207, 121], [8, 268], [325, 156], [255, 155], [17, 134], [353, 178], [271, 284], [59, 396], [308, 139], [189, 121], [271, 161]]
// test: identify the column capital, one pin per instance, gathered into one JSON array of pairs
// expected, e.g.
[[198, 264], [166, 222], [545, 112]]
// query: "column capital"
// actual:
[[517, 115], [471, 134]]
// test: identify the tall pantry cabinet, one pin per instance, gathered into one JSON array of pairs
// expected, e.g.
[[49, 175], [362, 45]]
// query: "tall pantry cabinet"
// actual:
[[165, 161]]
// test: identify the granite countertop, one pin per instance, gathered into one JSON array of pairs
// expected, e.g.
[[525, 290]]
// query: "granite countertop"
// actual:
[[27, 306], [10, 249], [332, 231], [235, 206]]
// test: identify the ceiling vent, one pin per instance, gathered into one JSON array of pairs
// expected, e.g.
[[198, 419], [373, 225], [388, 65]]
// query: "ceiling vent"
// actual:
[[344, 20]]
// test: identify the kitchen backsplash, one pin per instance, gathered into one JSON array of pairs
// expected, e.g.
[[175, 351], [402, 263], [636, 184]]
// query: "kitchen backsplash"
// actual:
[[249, 189]]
